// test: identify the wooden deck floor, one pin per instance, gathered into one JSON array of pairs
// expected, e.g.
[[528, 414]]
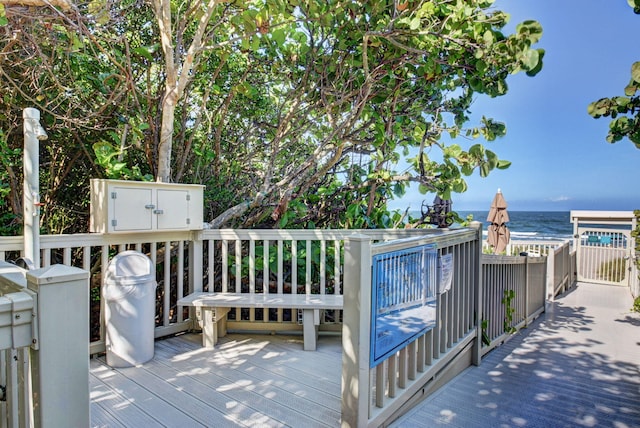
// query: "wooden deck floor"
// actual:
[[577, 366], [247, 381]]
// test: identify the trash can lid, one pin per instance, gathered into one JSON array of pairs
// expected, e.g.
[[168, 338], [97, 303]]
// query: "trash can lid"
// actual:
[[130, 267]]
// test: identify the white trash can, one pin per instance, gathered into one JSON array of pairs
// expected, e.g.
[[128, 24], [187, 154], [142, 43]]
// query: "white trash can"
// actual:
[[129, 293]]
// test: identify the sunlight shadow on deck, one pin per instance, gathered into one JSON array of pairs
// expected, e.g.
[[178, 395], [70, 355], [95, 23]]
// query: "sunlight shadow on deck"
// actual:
[[574, 367], [247, 380]]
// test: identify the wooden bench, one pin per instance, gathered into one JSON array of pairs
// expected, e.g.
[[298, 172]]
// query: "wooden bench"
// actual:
[[215, 306]]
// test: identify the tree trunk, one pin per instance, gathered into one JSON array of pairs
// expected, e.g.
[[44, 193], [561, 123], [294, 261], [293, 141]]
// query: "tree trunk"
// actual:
[[166, 137]]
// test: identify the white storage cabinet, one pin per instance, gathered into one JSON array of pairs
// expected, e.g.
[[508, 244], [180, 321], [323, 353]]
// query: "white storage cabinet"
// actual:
[[137, 206]]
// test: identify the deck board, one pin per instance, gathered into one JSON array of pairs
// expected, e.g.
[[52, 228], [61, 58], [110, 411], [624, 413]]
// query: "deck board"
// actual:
[[246, 381], [578, 365]]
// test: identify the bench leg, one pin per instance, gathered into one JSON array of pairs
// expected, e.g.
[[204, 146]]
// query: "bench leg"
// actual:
[[310, 323], [209, 327]]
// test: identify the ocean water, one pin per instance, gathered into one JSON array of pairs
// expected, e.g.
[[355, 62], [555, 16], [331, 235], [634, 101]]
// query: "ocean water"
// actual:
[[535, 225]]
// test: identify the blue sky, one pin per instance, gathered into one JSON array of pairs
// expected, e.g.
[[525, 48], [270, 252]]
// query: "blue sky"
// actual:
[[560, 158]]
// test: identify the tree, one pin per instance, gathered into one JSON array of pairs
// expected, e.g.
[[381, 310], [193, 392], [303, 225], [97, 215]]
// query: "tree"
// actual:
[[292, 113], [623, 110]]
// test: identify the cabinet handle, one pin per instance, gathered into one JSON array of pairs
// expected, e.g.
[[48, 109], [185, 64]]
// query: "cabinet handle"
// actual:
[[150, 206], [158, 211]]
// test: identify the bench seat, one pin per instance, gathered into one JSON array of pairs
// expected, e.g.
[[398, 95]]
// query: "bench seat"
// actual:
[[215, 306]]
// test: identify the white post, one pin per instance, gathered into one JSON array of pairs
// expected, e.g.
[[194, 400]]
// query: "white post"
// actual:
[[550, 294], [476, 356], [60, 358], [33, 133], [195, 263], [356, 325]]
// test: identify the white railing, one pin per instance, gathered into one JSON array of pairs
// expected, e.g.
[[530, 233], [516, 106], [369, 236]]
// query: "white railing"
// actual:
[[44, 357], [325, 261], [372, 396], [533, 248], [513, 295], [561, 272], [210, 260]]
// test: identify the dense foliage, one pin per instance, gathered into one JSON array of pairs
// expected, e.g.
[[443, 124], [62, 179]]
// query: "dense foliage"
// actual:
[[292, 113]]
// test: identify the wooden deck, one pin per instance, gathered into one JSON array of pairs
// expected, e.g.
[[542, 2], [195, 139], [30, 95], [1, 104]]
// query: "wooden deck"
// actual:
[[246, 381], [577, 366]]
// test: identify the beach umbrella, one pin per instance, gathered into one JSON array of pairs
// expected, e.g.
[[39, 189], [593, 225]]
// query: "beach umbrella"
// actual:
[[498, 233]]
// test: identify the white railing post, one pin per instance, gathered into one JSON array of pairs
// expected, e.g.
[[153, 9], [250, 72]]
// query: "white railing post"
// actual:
[[195, 263], [60, 358], [355, 331], [477, 286]]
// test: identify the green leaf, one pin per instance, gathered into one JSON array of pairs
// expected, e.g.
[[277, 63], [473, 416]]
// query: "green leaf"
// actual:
[[635, 71], [481, 66], [144, 51], [535, 70], [3, 17], [279, 36], [488, 38], [531, 30], [530, 59], [415, 23], [503, 164]]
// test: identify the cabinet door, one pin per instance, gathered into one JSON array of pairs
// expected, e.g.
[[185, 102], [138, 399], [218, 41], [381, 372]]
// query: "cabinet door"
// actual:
[[173, 209], [132, 208]]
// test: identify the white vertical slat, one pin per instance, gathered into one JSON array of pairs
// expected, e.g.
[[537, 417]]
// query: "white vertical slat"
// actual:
[[66, 256], [167, 283], [294, 266], [428, 348], [402, 368], [252, 275], [307, 287], [46, 257], [180, 279], [86, 260], [224, 254], [238, 273], [104, 264], [411, 363], [265, 275], [265, 266], [154, 253], [280, 264], [323, 266], [451, 295], [336, 267], [420, 354], [252, 266], [380, 385], [392, 375], [211, 269]]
